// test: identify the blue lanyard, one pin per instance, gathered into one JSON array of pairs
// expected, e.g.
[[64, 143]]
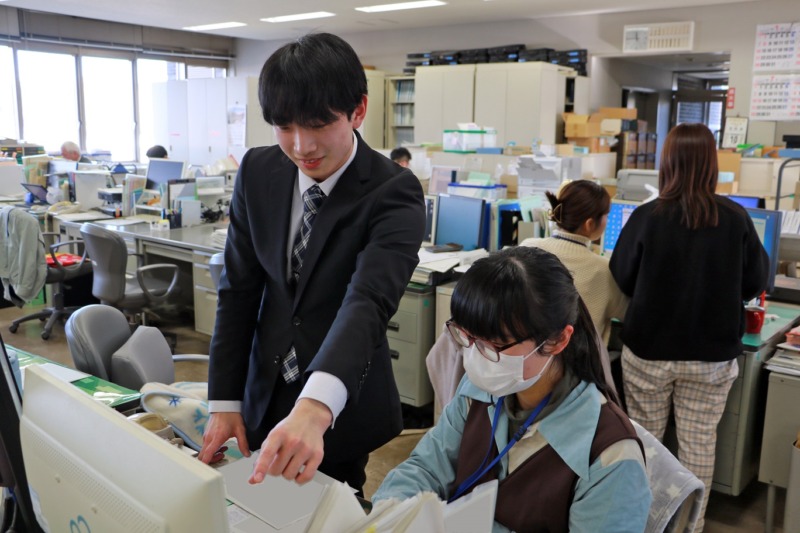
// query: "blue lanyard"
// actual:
[[480, 471]]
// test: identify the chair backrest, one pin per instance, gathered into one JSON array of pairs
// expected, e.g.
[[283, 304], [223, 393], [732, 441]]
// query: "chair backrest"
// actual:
[[677, 493], [94, 333], [109, 255]]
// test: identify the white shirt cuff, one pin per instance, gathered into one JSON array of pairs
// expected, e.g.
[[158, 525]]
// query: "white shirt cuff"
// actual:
[[224, 406], [328, 389]]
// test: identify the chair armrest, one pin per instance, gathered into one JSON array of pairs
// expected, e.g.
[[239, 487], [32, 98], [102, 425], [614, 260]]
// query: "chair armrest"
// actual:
[[157, 296], [139, 258], [56, 264]]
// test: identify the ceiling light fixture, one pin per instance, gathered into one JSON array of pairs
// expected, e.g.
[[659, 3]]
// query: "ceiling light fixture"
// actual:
[[300, 16], [402, 5], [217, 26]]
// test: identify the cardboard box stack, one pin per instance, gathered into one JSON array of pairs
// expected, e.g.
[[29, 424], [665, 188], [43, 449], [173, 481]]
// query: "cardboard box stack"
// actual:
[[598, 131]]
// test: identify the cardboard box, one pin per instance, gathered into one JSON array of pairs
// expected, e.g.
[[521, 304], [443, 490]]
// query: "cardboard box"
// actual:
[[629, 144], [596, 145], [565, 150], [729, 162], [623, 113], [517, 150], [581, 125], [511, 181], [730, 187]]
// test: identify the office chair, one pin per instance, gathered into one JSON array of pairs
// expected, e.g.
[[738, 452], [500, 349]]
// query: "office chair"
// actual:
[[677, 493], [57, 275], [102, 343], [109, 256]]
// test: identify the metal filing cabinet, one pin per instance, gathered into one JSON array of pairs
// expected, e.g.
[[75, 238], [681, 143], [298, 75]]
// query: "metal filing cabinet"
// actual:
[[410, 334], [205, 294]]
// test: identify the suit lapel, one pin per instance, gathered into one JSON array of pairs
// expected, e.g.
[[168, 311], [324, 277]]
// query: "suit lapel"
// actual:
[[280, 192], [348, 190]]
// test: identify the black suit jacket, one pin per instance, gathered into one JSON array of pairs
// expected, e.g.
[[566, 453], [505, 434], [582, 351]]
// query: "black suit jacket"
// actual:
[[361, 254]]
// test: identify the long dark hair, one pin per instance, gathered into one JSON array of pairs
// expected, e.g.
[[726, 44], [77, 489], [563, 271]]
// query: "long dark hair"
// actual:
[[577, 202], [689, 173], [526, 293]]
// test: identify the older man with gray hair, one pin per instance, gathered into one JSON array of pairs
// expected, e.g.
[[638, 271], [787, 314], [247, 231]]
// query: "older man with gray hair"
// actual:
[[71, 151]]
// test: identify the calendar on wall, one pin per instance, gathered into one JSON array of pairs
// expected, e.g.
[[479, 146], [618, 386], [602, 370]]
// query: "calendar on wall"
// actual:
[[777, 47], [775, 97]]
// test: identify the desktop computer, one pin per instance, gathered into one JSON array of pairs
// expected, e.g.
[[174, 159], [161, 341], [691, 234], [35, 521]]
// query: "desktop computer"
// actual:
[[91, 469], [618, 216]]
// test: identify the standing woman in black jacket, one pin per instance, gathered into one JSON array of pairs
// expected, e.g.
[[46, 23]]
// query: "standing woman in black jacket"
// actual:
[[687, 261]]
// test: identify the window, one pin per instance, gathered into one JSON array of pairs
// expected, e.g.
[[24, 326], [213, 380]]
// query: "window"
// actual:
[[49, 98], [108, 107], [150, 72], [9, 124]]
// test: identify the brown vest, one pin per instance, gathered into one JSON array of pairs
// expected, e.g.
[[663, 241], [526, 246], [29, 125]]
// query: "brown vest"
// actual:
[[538, 494]]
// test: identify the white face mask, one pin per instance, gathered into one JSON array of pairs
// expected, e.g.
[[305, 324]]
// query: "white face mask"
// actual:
[[503, 377]]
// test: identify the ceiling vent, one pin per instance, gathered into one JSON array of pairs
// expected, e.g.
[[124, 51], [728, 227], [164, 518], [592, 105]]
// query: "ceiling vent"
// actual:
[[667, 37]]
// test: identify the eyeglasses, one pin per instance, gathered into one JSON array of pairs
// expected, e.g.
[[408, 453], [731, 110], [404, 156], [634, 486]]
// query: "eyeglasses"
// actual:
[[487, 349]]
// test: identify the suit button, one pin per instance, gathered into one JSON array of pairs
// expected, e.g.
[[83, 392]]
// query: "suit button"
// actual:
[[296, 321], [277, 359]]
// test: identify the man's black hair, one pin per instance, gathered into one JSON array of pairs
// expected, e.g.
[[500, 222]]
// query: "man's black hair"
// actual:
[[156, 151], [400, 154], [310, 81]]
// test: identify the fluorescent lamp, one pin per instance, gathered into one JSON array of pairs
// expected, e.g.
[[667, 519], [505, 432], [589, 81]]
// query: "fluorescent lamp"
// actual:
[[217, 26], [402, 5], [300, 16]]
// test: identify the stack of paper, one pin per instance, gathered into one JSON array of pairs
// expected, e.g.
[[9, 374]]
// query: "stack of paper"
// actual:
[[786, 360], [339, 512], [219, 236]]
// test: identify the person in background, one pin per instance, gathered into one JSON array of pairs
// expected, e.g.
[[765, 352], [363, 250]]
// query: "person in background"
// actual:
[[71, 151], [687, 261], [581, 212], [156, 152], [533, 411], [324, 235], [401, 156]]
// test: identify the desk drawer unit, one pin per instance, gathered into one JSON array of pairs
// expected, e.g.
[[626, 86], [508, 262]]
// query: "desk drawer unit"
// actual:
[[205, 294], [410, 334]]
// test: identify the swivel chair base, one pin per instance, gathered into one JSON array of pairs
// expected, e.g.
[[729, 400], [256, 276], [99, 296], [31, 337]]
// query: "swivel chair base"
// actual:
[[51, 314]]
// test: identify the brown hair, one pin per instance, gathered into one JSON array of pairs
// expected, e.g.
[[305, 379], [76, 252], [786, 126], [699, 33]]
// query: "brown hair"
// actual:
[[689, 173], [577, 202]]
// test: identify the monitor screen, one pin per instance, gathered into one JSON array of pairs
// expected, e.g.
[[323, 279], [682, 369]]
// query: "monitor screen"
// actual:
[[749, 201], [617, 217], [90, 466], [12, 473], [768, 227], [459, 220], [431, 201], [163, 170]]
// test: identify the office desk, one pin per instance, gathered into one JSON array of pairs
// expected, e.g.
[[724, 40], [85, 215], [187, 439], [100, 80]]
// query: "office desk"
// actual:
[[191, 249], [120, 398], [739, 429], [781, 424]]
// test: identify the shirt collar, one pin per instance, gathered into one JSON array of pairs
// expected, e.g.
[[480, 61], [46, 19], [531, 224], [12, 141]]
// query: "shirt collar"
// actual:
[[574, 237], [304, 182]]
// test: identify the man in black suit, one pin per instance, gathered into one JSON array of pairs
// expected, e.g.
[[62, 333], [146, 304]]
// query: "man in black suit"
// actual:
[[323, 238]]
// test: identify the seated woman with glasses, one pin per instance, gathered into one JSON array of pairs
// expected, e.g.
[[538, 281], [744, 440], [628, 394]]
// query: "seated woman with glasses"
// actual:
[[533, 411]]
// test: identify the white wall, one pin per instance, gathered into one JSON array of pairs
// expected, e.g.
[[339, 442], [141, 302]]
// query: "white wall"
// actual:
[[728, 28]]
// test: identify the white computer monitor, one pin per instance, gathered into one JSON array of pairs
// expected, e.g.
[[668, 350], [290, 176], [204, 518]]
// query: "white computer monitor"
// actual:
[[161, 171], [90, 466], [86, 183], [631, 184]]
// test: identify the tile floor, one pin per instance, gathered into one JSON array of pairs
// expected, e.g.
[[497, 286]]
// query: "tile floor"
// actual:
[[726, 514]]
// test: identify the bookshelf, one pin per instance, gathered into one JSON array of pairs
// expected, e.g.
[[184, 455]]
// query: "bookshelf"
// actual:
[[399, 111]]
